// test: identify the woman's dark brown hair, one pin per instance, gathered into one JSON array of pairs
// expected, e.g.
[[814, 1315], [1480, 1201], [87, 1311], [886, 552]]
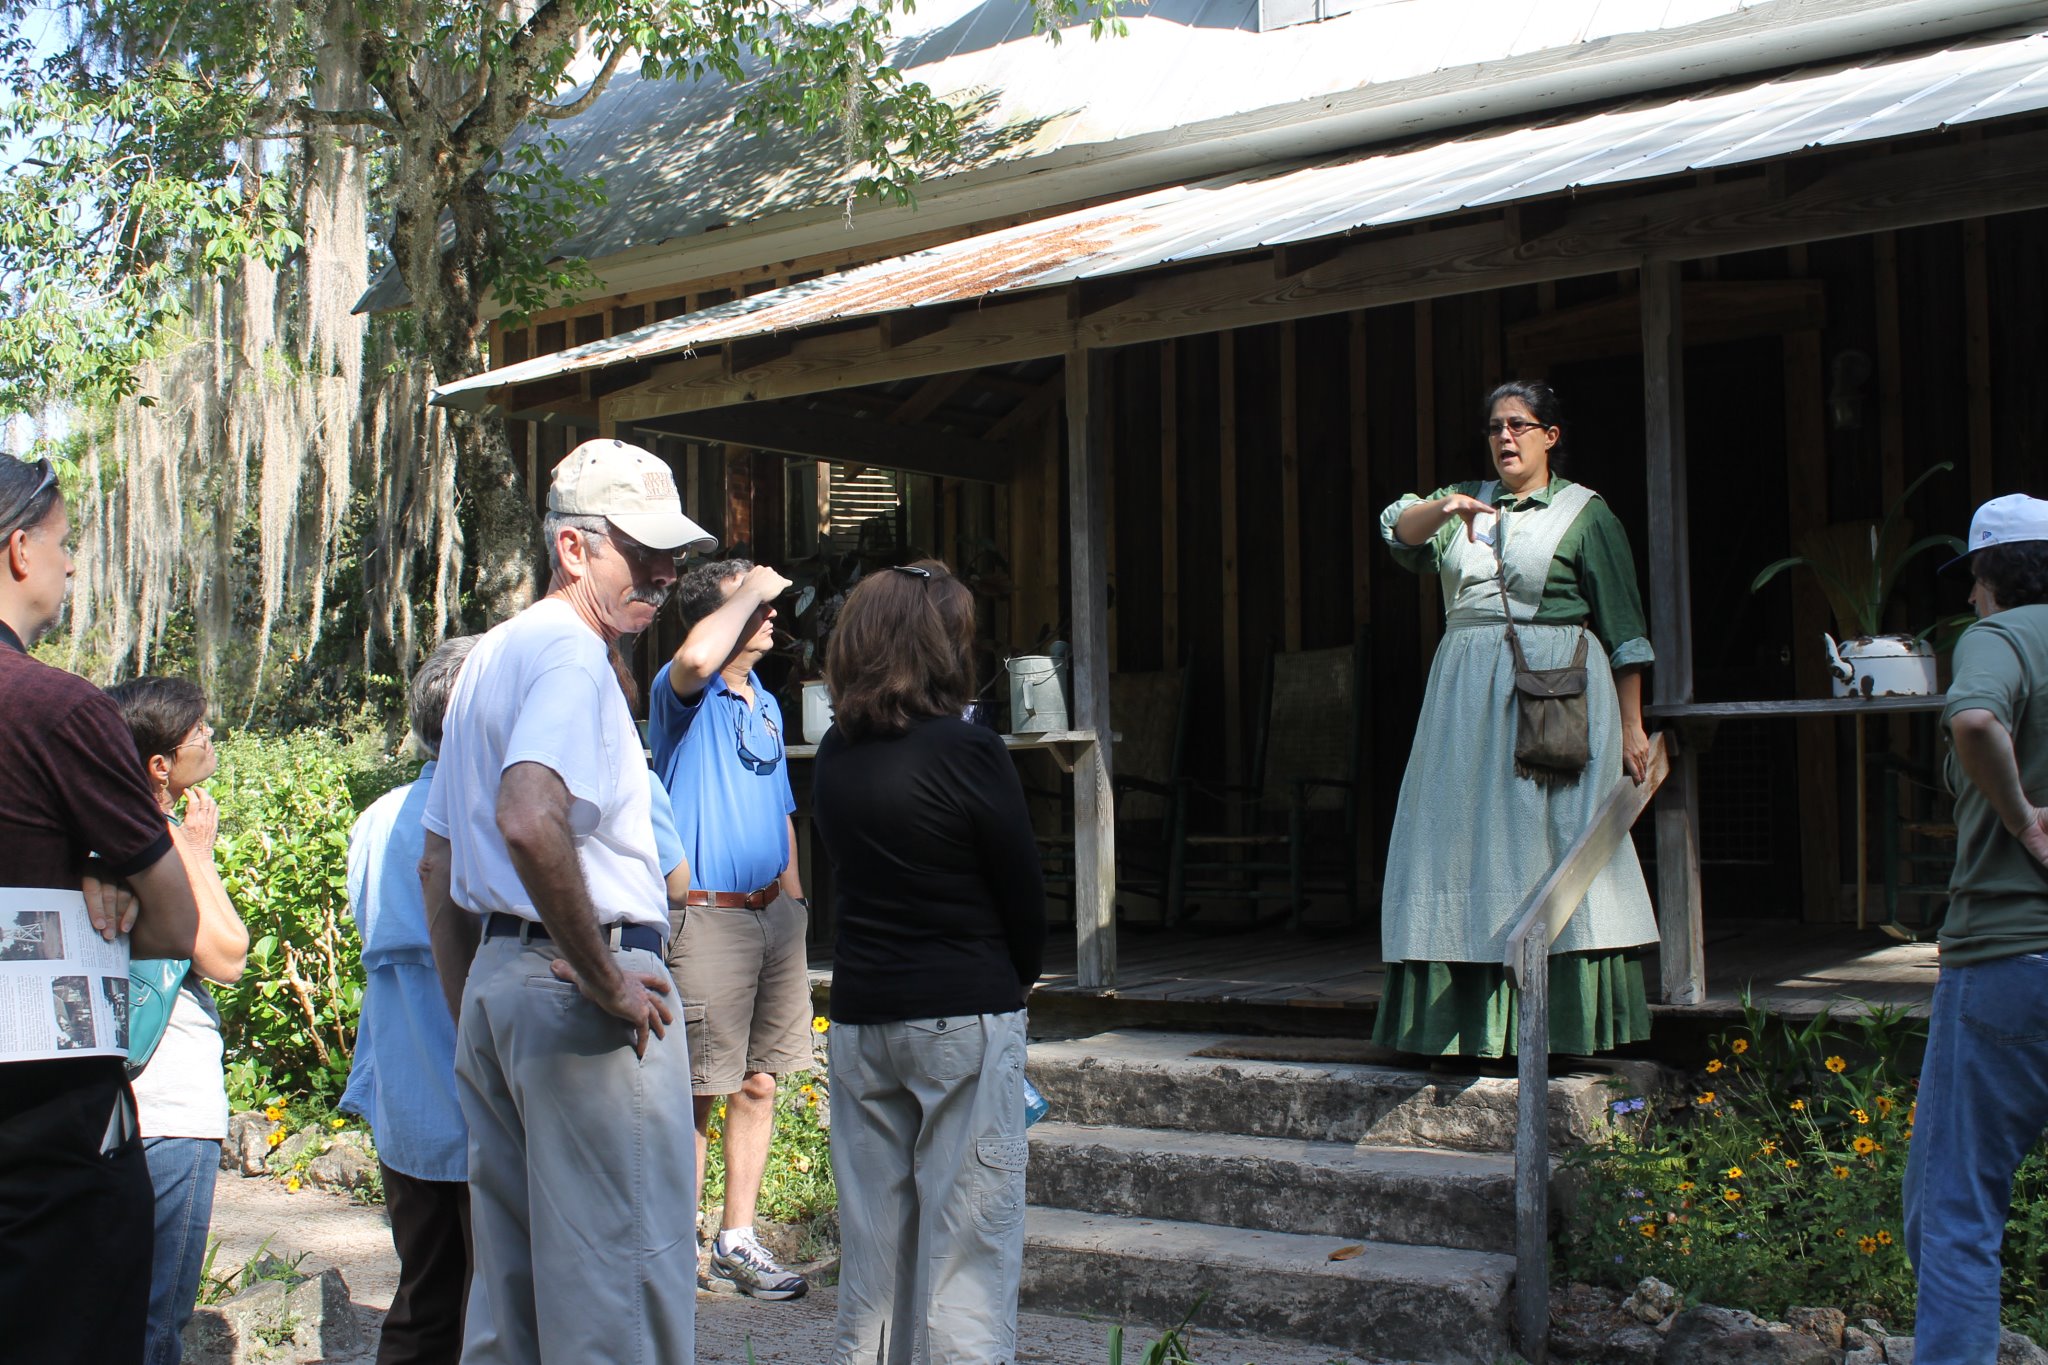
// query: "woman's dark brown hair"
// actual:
[[903, 650]]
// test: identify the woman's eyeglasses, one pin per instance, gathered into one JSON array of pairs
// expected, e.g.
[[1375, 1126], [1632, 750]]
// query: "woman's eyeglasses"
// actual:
[[750, 760], [205, 738], [1514, 426]]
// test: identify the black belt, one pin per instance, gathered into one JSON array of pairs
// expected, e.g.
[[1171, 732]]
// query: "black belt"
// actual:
[[644, 937]]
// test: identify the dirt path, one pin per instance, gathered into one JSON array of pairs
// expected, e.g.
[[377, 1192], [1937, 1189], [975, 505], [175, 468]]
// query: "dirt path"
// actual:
[[329, 1230]]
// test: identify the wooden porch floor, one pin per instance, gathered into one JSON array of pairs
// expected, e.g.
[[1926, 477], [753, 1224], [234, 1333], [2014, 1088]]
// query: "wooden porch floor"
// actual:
[[1795, 969]]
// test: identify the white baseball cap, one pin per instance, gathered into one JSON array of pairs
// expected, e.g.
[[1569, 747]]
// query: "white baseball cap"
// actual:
[[631, 489], [2003, 521]]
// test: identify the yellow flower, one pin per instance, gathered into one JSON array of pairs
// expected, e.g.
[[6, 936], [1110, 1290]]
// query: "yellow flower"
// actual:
[[1841, 1232], [1739, 1046], [1863, 1146], [276, 1136], [1798, 1106], [1884, 1105], [1859, 1116], [1836, 1065], [802, 1163], [1735, 1173], [273, 1113], [337, 1122], [819, 1023], [1770, 1148], [292, 1184], [1732, 1196], [712, 1136], [1649, 1229], [1685, 1185], [1841, 1172], [1707, 1098], [1714, 1067], [1884, 1236], [1866, 1245]]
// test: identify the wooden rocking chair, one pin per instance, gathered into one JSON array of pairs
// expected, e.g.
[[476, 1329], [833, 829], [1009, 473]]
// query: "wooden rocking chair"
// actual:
[[1148, 722], [1306, 758]]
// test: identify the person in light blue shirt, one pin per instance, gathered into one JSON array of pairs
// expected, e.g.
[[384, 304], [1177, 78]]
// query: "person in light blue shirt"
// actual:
[[403, 1076], [738, 959]]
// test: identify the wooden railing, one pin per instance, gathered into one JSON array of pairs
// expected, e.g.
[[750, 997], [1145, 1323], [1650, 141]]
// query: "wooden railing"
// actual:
[[1542, 918]]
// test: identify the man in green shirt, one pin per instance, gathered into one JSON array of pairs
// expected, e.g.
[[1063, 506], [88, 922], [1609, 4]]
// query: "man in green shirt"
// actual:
[[1983, 1101]]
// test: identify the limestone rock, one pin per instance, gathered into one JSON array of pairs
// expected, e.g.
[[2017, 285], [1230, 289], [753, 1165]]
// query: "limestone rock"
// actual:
[[346, 1165], [1865, 1355], [1856, 1339], [2015, 1349], [1590, 1324], [1898, 1351], [1653, 1302], [1727, 1336], [278, 1322], [1824, 1325], [248, 1146], [287, 1153]]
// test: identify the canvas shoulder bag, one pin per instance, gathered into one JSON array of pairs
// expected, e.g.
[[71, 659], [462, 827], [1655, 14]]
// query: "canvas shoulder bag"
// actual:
[[1553, 742]]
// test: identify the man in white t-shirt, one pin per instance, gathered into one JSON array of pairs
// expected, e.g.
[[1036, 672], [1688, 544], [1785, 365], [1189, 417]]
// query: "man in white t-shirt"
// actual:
[[571, 1079]]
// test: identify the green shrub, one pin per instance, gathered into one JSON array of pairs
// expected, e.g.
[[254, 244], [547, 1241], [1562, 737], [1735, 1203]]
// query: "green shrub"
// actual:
[[287, 804], [1777, 1181]]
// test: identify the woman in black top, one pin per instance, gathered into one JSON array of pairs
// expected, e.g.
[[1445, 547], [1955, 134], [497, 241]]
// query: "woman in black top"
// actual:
[[941, 912]]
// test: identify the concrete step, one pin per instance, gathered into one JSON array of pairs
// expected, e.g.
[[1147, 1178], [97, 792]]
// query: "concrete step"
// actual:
[[1412, 1303], [1412, 1196], [1144, 1079]]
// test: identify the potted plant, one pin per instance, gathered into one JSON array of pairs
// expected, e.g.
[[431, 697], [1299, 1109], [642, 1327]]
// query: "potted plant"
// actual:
[[1857, 563]]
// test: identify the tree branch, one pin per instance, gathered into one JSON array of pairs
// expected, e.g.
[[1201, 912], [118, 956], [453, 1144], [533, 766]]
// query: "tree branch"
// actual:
[[506, 102], [589, 97], [342, 118]]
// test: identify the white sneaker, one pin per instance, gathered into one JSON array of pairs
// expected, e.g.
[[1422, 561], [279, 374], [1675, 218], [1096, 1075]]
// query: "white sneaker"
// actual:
[[748, 1267]]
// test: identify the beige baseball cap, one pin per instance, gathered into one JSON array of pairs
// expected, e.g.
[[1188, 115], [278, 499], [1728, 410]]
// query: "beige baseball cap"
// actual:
[[630, 488]]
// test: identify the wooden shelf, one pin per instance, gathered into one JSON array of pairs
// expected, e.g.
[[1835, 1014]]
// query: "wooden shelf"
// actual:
[[1804, 706]]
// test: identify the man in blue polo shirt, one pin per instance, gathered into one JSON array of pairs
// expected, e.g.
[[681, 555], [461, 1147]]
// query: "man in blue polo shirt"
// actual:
[[738, 960]]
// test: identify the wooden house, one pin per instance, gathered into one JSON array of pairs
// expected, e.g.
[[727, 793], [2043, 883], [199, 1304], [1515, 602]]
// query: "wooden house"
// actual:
[[1207, 297]]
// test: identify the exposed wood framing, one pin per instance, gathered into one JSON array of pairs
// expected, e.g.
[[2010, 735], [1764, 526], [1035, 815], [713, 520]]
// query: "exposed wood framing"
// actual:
[[1169, 504], [1226, 440], [1977, 330], [1290, 491], [1679, 906], [797, 430], [931, 395], [1088, 376], [1428, 593], [1891, 407], [1735, 311], [1938, 183], [1364, 531], [1806, 494], [1029, 412]]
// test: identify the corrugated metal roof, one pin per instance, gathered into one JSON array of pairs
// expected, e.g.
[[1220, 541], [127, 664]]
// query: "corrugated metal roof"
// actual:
[[1881, 97], [1180, 83]]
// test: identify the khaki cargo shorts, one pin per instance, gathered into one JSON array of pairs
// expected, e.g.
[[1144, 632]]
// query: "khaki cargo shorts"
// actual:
[[745, 984]]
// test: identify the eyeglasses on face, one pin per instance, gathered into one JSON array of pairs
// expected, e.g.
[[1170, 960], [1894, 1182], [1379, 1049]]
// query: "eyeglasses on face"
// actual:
[[1514, 426], [205, 738], [640, 556]]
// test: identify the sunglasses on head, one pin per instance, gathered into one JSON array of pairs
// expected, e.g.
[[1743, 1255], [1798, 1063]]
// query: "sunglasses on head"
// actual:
[[43, 484]]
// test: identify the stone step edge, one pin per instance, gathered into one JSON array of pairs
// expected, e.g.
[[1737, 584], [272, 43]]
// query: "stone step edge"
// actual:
[[1293, 1253], [1386, 1159]]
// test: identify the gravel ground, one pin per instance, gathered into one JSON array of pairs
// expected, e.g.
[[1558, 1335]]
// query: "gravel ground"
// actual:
[[330, 1230]]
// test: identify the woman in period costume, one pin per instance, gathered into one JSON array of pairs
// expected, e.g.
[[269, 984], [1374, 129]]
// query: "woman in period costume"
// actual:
[[1473, 835]]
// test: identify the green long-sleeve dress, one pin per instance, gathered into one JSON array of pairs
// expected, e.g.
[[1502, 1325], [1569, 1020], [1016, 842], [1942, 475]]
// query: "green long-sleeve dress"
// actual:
[[1471, 839]]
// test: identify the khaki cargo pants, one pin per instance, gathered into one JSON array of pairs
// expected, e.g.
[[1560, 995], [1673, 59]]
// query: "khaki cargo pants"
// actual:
[[928, 1151]]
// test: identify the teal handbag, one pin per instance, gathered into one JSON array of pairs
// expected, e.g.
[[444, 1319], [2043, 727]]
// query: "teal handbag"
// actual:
[[153, 984]]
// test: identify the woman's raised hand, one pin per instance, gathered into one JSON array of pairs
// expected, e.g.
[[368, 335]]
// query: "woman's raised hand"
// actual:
[[202, 820], [1467, 508]]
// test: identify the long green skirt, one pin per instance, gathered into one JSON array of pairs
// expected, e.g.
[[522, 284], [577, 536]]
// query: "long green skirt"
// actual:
[[1469, 1009]]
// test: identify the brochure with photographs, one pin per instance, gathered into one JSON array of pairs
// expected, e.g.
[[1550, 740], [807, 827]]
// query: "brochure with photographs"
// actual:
[[63, 988]]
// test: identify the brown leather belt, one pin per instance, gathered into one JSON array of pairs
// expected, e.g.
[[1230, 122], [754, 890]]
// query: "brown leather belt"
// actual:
[[733, 900]]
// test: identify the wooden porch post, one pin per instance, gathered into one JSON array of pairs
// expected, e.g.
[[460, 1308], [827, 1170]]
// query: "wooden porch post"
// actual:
[[1683, 952], [1088, 535]]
